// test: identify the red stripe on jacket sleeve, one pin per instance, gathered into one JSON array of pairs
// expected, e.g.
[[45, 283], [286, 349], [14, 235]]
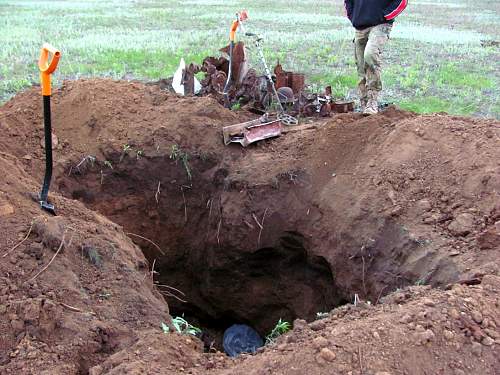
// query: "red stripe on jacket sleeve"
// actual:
[[396, 12]]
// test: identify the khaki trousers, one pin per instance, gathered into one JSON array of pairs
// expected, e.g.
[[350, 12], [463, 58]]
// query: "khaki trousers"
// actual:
[[369, 44]]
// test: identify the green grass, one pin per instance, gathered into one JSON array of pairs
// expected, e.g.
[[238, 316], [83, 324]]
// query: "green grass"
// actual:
[[434, 61], [279, 329], [430, 105], [452, 75], [341, 83], [182, 326]]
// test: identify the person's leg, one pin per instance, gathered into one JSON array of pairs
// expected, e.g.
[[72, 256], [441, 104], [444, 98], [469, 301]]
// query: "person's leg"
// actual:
[[379, 35], [360, 41]]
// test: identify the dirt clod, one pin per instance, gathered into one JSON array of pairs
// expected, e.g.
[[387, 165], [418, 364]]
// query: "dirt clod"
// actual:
[[318, 325], [6, 209], [327, 355], [320, 342], [462, 225]]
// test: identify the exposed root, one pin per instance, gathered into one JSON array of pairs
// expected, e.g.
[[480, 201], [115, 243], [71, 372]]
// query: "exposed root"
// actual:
[[75, 309], [54, 257], [260, 224], [146, 239], [170, 287], [360, 358], [168, 294], [153, 272], [157, 194], [20, 243]]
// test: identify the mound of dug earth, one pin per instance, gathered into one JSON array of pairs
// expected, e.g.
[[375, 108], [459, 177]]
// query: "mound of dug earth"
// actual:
[[340, 209]]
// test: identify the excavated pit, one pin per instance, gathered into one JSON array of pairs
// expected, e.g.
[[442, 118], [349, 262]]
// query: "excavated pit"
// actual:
[[285, 228], [224, 278]]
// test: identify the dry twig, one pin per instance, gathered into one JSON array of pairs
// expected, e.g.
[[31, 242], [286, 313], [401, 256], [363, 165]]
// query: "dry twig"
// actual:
[[20, 243], [260, 224], [170, 294], [257, 221]]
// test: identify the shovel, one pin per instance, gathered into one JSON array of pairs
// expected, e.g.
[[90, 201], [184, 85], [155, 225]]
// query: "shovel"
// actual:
[[46, 69], [238, 23]]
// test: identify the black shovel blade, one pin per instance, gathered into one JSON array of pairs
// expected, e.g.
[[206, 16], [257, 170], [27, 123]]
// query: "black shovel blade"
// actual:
[[46, 206]]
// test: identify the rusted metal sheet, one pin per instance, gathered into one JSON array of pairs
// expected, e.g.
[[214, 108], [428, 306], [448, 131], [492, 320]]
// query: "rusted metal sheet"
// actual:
[[296, 81], [239, 63], [252, 131]]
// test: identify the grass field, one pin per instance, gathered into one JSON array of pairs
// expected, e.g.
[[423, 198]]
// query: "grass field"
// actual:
[[435, 61]]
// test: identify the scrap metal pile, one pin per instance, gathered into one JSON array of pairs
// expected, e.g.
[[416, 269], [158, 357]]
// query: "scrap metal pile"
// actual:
[[254, 90], [281, 98]]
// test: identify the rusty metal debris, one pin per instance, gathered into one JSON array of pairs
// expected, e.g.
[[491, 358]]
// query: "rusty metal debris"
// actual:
[[252, 131], [295, 81], [343, 106], [256, 92], [184, 82]]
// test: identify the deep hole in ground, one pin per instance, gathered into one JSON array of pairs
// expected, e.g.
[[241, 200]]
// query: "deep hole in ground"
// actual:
[[223, 283], [246, 252]]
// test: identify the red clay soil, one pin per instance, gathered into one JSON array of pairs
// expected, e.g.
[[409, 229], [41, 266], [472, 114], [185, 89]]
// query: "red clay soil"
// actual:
[[287, 228]]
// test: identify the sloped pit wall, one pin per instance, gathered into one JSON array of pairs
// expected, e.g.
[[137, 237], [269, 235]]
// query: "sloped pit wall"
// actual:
[[240, 252]]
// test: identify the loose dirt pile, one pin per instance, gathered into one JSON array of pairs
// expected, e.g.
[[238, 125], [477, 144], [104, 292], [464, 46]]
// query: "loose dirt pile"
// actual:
[[284, 229]]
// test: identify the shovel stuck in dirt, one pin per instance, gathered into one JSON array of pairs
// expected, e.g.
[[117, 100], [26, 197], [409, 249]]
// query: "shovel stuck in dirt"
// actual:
[[46, 69], [252, 131]]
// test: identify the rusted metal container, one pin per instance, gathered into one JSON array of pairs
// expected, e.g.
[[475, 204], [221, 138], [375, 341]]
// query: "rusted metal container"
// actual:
[[343, 106], [296, 81]]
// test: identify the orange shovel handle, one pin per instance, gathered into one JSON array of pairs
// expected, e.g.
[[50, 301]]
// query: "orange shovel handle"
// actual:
[[46, 67], [232, 31], [241, 17]]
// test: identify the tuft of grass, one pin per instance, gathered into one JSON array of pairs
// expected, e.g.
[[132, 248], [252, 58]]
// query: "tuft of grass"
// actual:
[[92, 254], [236, 106], [126, 148], [279, 329], [182, 326], [177, 154]]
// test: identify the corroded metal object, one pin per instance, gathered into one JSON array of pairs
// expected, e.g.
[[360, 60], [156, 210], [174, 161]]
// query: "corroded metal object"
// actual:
[[343, 106], [255, 90], [252, 131]]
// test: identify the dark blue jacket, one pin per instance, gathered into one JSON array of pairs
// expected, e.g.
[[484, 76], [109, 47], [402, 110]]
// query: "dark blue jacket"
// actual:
[[367, 13]]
